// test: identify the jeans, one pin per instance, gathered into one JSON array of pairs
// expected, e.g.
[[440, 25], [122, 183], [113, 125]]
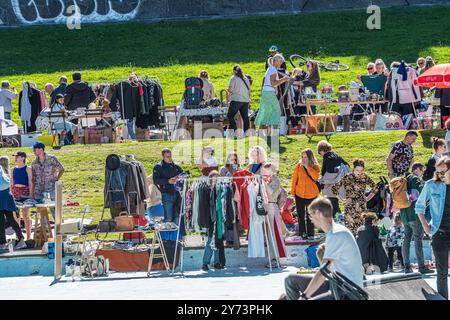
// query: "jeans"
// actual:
[[12, 222], [169, 203], [305, 226], [391, 252], [296, 283], [441, 246], [413, 228], [131, 129], [7, 115], [219, 253], [236, 107]]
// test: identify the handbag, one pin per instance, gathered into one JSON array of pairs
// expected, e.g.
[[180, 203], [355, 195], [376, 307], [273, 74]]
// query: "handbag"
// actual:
[[4, 180], [260, 210], [107, 226], [318, 184], [124, 222]]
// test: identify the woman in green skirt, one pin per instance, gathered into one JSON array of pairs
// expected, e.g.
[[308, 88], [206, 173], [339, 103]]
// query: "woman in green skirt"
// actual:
[[269, 108]]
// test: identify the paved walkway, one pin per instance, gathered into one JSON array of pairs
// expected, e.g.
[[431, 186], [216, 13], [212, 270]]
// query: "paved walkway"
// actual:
[[257, 284]]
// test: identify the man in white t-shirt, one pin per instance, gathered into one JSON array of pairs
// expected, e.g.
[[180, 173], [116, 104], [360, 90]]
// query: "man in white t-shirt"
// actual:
[[341, 251]]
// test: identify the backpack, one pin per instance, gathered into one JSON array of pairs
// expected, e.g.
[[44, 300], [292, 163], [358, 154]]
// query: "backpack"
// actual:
[[399, 190], [193, 93]]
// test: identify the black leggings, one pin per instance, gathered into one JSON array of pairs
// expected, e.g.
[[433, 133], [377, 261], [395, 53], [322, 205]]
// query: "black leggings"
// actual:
[[305, 226], [391, 252], [12, 222], [236, 107]]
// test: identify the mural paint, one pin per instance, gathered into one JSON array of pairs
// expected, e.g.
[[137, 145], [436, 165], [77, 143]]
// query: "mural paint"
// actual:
[[56, 11]]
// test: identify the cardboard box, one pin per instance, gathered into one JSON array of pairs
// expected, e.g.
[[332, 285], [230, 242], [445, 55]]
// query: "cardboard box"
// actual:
[[208, 129]]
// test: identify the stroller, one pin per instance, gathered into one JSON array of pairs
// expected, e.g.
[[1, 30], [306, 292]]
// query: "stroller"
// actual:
[[381, 202]]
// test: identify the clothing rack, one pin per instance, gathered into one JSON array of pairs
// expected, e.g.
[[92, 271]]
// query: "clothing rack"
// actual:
[[182, 214]]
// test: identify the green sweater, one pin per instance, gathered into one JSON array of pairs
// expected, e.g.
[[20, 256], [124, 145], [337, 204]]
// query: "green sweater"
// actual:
[[409, 214]]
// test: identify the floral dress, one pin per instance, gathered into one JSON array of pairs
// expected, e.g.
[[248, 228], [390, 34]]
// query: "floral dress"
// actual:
[[355, 202]]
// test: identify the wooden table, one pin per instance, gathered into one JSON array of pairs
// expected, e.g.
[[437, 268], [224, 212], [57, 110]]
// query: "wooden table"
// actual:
[[42, 227], [326, 116]]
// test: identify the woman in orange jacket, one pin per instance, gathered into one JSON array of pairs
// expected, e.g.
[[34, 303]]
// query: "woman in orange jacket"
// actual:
[[305, 189]]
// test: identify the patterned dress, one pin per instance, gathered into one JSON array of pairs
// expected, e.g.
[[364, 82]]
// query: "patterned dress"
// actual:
[[355, 202]]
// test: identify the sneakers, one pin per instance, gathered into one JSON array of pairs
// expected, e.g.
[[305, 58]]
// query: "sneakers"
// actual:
[[218, 266], [425, 271], [408, 269], [20, 245], [205, 267]]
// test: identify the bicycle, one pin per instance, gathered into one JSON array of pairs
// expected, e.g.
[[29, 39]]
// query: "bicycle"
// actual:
[[297, 60]]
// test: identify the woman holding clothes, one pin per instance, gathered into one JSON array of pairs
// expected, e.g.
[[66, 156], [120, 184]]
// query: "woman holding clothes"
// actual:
[[269, 108], [305, 189], [272, 187], [238, 96], [355, 185]]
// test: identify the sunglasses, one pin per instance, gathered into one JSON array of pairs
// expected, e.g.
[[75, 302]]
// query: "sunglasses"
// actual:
[[369, 68], [441, 173]]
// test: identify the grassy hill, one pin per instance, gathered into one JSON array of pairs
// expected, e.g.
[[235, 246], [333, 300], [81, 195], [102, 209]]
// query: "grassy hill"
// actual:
[[173, 51], [84, 176]]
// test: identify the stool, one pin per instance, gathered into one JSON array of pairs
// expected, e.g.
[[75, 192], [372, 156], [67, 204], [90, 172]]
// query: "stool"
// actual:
[[157, 240], [42, 227]]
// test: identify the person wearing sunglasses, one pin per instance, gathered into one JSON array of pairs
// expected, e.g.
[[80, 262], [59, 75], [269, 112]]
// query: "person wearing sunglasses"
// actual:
[[420, 65], [436, 195], [231, 166], [370, 70]]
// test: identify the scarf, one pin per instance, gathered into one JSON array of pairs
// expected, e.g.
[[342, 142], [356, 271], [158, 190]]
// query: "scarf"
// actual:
[[25, 112], [403, 71]]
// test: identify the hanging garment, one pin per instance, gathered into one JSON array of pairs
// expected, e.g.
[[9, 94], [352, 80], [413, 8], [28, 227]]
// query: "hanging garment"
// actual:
[[256, 232], [277, 247], [25, 105], [241, 197]]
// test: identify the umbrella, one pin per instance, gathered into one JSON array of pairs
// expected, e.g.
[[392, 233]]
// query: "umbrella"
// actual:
[[437, 76]]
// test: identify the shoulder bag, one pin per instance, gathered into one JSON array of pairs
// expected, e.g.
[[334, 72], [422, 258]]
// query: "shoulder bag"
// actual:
[[318, 184]]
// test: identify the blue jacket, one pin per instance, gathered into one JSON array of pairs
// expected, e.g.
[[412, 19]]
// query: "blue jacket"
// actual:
[[434, 193]]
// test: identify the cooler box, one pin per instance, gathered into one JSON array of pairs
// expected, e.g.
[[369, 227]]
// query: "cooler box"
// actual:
[[28, 140]]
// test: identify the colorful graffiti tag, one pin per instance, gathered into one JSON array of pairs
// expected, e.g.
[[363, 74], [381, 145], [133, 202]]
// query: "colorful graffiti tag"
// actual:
[[57, 11]]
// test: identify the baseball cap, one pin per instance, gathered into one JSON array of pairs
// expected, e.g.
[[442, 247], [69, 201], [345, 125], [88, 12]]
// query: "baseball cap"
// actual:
[[39, 145], [20, 154]]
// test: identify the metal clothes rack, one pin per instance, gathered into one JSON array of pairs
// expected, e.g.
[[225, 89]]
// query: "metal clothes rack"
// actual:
[[267, 231]]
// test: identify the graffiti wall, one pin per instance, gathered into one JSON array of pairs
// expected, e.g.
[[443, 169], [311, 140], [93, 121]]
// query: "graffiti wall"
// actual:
[[34, 12]]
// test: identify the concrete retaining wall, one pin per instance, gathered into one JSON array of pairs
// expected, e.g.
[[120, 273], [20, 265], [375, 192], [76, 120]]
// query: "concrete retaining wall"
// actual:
[[34, 12]]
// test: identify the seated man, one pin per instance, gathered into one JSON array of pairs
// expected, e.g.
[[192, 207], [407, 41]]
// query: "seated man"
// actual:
[[341, 251]]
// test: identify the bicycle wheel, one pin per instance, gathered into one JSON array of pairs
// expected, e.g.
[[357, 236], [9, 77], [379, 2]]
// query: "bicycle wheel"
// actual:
[[297, 60], [10, 142], [335, 66]]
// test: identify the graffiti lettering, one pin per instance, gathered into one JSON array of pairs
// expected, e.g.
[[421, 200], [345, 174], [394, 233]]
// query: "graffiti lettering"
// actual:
[[90, 11]]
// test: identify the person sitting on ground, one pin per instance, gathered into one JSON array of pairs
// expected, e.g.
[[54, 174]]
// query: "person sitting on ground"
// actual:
[[214, 245], [439, 148], [372, 252], [287, 216], [411, 223], [6, 97], [341, 255], [208, 88], [394, 242], [8, 208], [78, 94], [207, 162]]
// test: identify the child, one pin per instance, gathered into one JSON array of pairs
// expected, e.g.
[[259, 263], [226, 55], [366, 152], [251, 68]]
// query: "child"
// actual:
[[394, 242], [287, 216], [345, 111]]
